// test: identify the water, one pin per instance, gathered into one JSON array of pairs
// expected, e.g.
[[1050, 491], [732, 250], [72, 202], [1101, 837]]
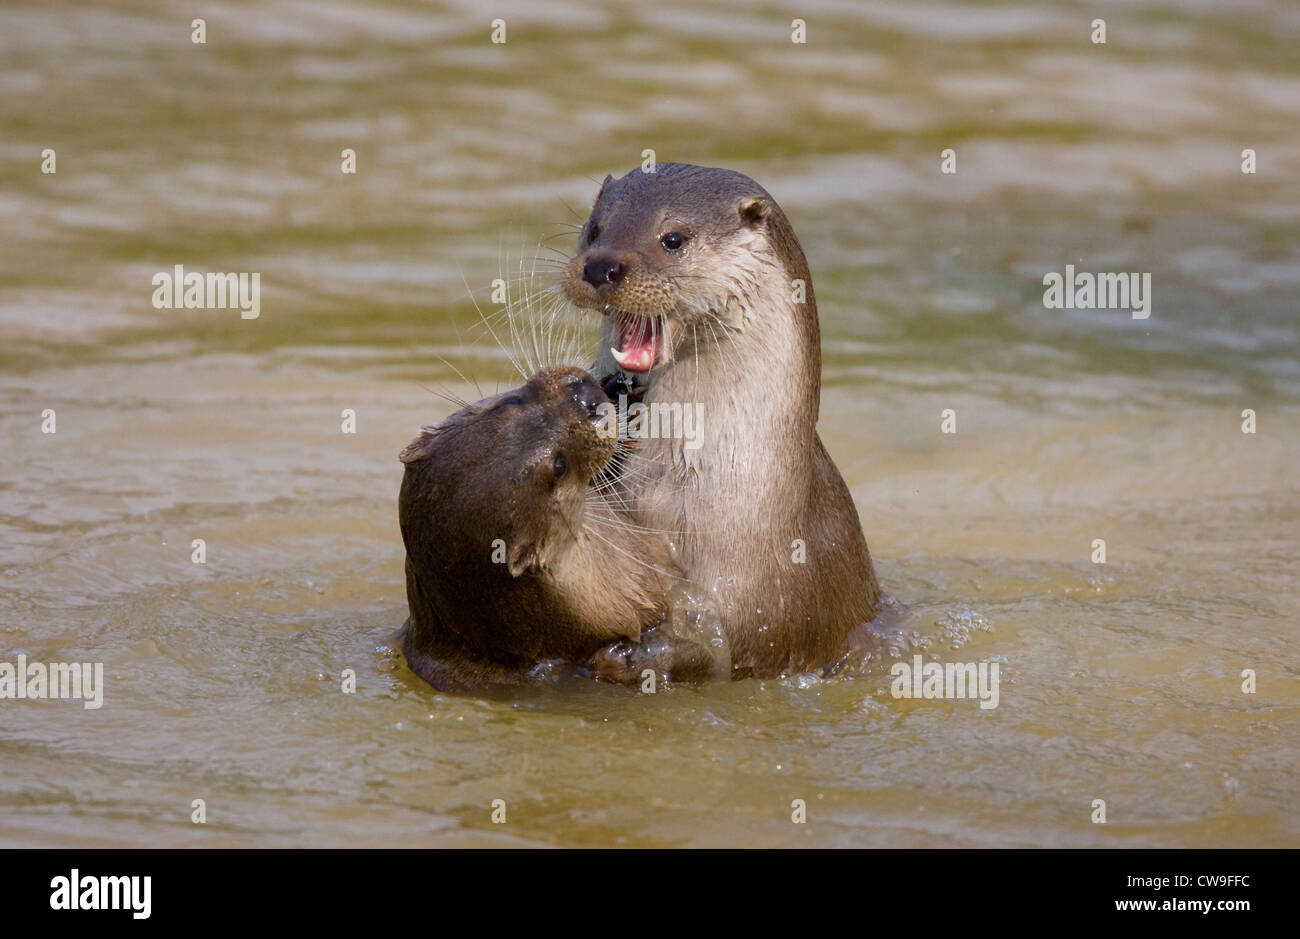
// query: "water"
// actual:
[[1119, 681]]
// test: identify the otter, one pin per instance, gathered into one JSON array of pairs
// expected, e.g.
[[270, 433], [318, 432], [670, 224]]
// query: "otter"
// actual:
[[706, 300], [514, 555]]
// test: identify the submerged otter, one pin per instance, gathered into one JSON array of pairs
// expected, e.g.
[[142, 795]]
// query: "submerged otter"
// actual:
[[707, 301], [513, 555]]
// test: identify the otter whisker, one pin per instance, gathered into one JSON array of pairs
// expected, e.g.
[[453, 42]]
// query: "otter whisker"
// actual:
[[509, 355], [631, 556]]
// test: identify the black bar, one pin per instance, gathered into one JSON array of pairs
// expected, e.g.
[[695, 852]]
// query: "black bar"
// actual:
[[618, 889]]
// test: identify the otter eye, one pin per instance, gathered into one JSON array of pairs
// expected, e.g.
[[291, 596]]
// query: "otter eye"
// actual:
[[513, 400], [561, 465], [673, 240], [593, 232]]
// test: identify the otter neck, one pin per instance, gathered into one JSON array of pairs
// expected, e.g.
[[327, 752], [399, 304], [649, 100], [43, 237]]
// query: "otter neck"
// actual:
[[776, 350]]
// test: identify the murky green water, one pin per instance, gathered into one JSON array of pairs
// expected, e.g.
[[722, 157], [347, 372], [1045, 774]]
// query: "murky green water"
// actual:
[[1119, 681]]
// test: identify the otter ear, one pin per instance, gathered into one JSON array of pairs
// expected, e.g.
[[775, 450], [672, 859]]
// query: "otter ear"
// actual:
[[419, 448], [752, 210], [523, 557], [603, 186]]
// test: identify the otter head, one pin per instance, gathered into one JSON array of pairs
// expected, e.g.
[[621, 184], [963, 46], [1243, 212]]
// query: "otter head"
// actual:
[[678, 255], [515, 467]]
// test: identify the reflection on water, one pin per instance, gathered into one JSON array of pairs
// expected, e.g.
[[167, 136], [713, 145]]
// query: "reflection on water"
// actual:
[[1120, 682]]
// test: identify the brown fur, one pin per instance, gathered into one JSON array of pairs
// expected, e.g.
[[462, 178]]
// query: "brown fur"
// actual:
[[574, 578], [737, 343]]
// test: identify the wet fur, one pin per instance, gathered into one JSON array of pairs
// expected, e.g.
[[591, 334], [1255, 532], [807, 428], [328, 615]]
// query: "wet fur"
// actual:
[[576, 578]]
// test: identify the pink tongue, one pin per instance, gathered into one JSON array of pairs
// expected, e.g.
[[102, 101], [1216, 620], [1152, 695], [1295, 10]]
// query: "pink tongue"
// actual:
[[636, 345]]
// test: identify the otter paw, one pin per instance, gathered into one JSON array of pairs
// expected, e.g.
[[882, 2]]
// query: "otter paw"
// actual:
[[621, 383], [614, 663]]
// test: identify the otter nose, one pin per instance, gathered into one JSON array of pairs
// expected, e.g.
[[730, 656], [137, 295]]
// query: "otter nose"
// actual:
[[600, 270], [589, 396]]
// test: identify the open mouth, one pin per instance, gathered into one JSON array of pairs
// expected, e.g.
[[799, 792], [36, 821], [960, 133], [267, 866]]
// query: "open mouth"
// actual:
[[638, 342]]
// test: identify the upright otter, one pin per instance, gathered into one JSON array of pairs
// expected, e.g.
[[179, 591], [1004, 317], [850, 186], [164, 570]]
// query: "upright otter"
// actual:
[[707, 300], [512, 555]]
